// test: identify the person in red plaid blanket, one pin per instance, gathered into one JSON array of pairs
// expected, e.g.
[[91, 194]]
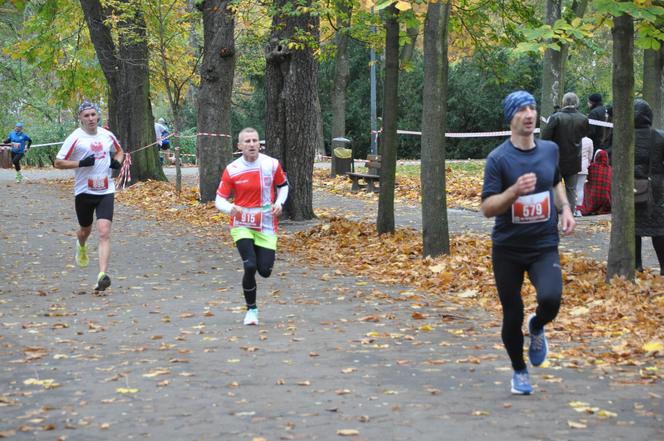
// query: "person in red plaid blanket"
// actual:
[[597, 191]]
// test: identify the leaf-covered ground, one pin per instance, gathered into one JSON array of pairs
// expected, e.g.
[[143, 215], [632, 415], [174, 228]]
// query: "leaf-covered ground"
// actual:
[[463, 186], [609, 324]]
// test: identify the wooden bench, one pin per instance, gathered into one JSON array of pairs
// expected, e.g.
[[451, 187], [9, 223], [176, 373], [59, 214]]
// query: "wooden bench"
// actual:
[[371, 178], [373, 164]]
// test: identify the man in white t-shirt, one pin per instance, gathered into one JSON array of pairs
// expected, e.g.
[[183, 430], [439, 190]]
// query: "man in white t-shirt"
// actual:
[[93, 151], [161, 133]]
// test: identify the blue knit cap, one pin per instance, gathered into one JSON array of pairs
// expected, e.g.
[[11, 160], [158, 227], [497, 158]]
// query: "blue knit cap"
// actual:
[[515, 101], [85, 105]]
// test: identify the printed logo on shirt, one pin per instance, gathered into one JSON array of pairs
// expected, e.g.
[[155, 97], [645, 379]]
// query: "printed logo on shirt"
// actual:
[[96, 147]]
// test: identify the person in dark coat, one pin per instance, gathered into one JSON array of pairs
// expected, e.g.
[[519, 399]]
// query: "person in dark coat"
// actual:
[[566, 128], [597, 112], [648, 157]]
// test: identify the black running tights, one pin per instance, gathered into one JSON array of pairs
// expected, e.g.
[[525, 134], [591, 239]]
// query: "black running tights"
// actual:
[[254, 258], [543, 268], [16, 160]]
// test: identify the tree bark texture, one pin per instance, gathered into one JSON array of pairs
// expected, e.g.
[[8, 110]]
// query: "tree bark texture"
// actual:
[[385, 220], [408, 49], [621, 246], [653, 83], [552, 68], [291, 86], [125, 67], [341, 71], [192, 90], [435, 228], [579, 8], [214, 95]]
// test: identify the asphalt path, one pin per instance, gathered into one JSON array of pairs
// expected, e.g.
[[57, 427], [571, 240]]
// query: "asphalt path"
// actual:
[[163, 353]]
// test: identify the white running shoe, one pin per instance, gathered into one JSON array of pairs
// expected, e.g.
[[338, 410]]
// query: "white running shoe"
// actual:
[[251, 317]]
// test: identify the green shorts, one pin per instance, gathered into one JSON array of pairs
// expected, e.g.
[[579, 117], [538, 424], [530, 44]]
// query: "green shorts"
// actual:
[[262, 240]]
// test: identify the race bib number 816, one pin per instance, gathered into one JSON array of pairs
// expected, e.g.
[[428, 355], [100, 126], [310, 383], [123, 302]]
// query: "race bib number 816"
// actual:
[[532, 208], [249, 219]]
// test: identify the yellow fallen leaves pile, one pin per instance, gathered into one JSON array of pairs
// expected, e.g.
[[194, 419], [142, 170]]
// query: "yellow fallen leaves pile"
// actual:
[[616, 323], [619, 313], [463, 187], [46, 383]]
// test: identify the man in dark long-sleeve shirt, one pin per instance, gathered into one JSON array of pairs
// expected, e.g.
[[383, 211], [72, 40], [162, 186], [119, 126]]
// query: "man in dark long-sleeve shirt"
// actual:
[[566, 128]]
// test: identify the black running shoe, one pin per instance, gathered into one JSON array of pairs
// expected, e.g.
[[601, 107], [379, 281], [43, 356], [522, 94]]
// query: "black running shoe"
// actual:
[[103, 282]]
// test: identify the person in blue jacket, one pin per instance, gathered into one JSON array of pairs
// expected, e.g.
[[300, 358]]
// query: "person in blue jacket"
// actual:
[[20, 144]]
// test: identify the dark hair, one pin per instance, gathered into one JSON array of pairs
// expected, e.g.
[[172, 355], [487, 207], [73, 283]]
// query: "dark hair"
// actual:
[[642, 114], [595, 98]]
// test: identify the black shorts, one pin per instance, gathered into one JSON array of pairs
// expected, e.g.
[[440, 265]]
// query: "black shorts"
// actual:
[[87, 204]]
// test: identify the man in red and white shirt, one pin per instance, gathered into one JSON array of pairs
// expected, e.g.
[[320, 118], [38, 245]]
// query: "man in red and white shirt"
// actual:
[[253, 178], [93, 152]]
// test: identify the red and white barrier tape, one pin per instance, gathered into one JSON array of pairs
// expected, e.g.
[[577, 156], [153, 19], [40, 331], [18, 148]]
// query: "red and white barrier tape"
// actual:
[[222, 135], [464, 135], [154, 143], [592, 122], [46, 145], [124, 175], [597, 122]]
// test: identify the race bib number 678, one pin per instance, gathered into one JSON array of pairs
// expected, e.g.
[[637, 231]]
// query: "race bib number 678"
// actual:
[[532, 208]]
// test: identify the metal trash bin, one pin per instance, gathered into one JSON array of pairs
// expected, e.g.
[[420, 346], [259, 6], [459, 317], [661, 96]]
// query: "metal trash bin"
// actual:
[[5, 156], [342, 157]]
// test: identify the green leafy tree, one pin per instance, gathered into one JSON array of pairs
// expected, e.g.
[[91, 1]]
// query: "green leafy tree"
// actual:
[[173, 61], [653, 71], [560, 32], [48, 62], [118, 31]]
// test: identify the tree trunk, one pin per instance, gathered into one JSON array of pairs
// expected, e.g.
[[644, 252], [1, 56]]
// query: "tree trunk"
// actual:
[[409, 48], [319, 148], [292, 105], [552, 68], [579, 7], [385, 220], [192, 90], [341, 70], [178, 122], [214, 96], [435, 232], [125, 67], [653, 83], [621, 246], [173, 87]]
